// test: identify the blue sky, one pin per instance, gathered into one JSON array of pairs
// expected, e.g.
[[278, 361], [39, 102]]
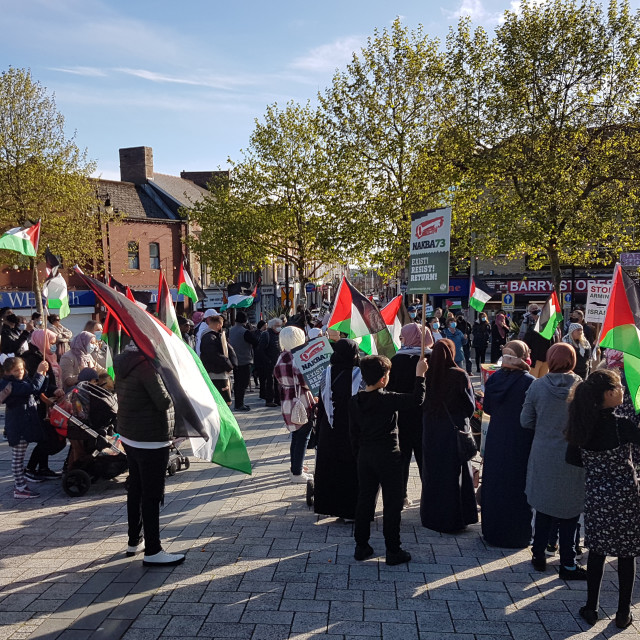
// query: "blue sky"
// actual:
[[189, 78]]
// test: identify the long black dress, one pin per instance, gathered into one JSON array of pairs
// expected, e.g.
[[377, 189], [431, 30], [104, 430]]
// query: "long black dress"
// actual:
[[448, 502], [336, 470], [506, 514]]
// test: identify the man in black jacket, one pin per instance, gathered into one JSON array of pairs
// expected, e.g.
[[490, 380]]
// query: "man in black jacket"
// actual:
[[146, 420], [14, 335]]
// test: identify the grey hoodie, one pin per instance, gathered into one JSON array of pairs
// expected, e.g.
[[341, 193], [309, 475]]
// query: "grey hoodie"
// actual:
[[553, 486]]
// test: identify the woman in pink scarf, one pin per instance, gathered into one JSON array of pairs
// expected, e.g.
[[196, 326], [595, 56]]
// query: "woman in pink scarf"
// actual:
[[45, 341], [499, 333]]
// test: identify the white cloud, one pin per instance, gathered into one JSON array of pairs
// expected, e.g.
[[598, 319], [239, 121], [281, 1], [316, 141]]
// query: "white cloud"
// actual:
[[92, 72], [328, 57], [473, 9]]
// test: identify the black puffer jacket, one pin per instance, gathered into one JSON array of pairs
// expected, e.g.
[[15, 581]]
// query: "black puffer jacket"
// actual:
[[145, 409]]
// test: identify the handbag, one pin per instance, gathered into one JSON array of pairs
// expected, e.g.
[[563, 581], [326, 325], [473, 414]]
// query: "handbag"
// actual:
[[467, 448], [299, 414]]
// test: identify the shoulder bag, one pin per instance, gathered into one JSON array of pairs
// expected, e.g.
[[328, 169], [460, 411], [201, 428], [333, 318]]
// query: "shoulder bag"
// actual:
[[467, 448]]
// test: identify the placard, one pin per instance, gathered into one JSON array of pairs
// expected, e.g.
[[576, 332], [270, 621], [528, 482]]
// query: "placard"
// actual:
[[429, 252], [597, 302], [312, 360]]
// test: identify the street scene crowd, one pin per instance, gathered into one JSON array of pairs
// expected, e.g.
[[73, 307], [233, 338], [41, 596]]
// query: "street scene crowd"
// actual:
[[558, 466]]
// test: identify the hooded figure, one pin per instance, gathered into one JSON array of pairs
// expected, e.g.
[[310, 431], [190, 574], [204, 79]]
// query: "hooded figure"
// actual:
[[555, 489], [506, 514], [336, 473]]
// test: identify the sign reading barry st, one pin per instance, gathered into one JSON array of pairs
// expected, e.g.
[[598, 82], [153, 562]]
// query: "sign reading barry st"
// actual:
[[312, 360], [429, 252]]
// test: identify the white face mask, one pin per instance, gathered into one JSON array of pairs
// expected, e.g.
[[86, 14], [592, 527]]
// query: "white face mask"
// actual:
[[277, 329]]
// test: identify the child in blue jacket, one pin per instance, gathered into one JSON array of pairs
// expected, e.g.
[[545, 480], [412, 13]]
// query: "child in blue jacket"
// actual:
[[22, 422]]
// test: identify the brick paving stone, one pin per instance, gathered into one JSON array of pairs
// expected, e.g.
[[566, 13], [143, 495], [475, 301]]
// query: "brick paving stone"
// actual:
[[260, 565]]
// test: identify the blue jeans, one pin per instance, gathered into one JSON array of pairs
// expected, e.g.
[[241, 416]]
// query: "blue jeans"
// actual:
[[298, 448], [567, 531]]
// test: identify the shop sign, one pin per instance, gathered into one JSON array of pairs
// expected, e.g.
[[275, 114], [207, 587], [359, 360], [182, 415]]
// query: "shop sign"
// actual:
[[532, 286]]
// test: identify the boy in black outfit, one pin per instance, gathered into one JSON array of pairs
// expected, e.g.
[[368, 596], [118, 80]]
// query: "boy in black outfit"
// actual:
[[373, 429]]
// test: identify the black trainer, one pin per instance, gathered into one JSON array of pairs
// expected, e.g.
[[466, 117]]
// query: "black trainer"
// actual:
[[397, 557], [363, 551], [579, 573], [539, 564], [588, 615], [623, 620]]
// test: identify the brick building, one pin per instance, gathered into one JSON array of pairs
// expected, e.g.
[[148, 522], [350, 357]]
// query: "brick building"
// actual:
[[148, 236]]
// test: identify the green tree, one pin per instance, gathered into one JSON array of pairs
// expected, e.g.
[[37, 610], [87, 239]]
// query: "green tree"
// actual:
[[43, 174], [382, 119], [274, 204], [545, 133]]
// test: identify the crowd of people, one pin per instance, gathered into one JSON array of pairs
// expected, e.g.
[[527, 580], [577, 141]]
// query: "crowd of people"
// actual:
[[559, 456]]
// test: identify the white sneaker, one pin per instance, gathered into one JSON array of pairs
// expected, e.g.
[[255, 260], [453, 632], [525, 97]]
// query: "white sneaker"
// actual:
[[163, 559], [133, 549], [301, 479]]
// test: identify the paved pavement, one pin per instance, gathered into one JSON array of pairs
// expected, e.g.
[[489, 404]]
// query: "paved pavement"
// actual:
[[261, 566]]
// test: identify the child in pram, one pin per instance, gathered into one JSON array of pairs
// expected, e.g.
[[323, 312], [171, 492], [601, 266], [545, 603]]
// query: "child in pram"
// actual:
[[95, 407]]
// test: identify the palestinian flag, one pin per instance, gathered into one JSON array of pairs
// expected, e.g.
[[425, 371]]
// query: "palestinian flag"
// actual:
[[54, 290], [395, 316], [550, 317], [165, 309], [479, 295], [361, 320], [621, 329], [239, 301], [53, 264], [24, 240], [112, 337], [200, 412], [185, 284]]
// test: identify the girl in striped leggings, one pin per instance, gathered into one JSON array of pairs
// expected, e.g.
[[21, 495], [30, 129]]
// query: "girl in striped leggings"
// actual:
[[22, 423]]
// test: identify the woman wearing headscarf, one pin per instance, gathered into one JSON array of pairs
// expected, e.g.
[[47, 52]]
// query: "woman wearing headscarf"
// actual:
[[575, 338], [402, 380], [506, 514], [292, 386], [336, 473], [499, 333], [63, 335], [555, 489], [448, 502], [80, 356], [43, 347]]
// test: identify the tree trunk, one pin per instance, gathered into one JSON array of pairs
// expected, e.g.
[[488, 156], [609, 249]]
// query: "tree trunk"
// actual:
[[37, 290], [554, 260]]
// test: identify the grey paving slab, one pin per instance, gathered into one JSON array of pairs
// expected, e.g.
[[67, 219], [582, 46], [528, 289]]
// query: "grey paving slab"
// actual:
[[262, 566]]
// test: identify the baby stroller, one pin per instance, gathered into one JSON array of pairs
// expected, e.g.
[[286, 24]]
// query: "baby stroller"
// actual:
[[86, 416]]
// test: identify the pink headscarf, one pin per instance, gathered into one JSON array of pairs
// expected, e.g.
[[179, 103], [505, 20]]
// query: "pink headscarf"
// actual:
[[411, 335], [197, 317], [38, 339], [501, 324]]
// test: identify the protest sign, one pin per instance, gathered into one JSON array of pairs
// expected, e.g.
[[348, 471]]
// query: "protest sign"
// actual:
[[312, 360], [429, 252], [597, 301]]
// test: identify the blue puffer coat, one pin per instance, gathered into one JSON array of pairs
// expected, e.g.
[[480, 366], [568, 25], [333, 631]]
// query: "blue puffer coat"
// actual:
[[22, 421]]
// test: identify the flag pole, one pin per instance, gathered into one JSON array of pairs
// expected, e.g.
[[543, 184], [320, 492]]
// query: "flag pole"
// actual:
[[424, 324]]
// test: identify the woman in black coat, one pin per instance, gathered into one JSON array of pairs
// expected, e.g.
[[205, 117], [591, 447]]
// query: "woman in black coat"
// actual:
[[499, 335], [336, 471], [402, 379], [481, 333], [506, 514], [448, 502]]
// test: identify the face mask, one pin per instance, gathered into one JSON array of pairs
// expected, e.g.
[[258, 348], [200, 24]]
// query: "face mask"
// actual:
[[53, 348], [277, 329], [483, 319], [98, 335], [436, 325], [92, 347], [412, 315], [38, 323], [452, 325], [22, 326]]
